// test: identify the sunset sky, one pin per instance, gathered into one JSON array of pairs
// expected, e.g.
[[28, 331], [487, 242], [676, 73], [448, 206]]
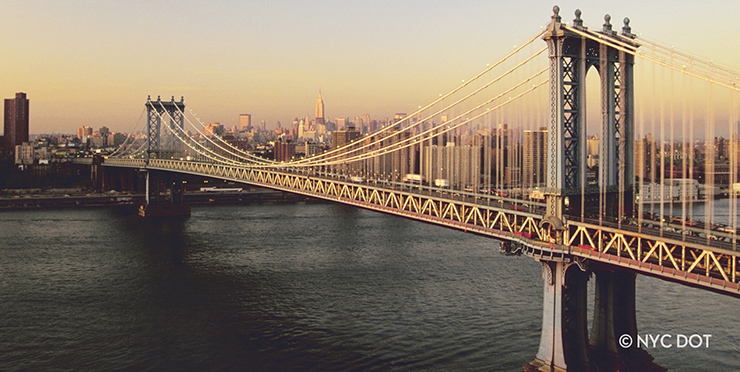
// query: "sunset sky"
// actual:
[[94, 62]]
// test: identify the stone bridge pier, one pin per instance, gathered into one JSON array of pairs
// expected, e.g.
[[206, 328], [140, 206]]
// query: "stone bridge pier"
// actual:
[[565, 342], [164, 195]]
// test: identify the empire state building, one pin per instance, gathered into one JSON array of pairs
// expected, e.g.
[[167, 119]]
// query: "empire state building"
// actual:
[[319, 110]]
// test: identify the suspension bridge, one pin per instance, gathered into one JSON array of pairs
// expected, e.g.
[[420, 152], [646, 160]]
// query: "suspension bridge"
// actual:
[[508, 154]]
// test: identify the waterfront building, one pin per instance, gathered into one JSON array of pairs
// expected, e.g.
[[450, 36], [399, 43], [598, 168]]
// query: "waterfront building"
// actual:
[[460, 166], [29, 153], [83, 132], [645, 158], [501, 151], [16, 121], [673, 190], [97, 140], [24, 153], [340, 138], [534, 157], [284, 151], [310, 149], [736, 188]]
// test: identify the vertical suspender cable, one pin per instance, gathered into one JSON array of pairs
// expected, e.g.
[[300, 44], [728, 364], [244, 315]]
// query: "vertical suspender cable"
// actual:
[[709, 155], [684, 155], [733, 169], [672, 123], [642, 153], [691, 151], [662, 151], [582, 129]]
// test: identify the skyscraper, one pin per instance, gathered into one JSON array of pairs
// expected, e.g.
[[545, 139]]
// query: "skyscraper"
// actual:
[[213, 129], [301, 128], [16, 121], [340, 138], [245, 122], [534, 157], [319, 110], [284, 151], [84, 131]]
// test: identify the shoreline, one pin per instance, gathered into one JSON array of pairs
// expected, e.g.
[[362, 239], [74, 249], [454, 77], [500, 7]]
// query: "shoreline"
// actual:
[[104, 200]]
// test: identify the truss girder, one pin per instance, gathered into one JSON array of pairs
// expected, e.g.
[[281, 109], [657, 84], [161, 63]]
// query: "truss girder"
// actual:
[[674, 257]]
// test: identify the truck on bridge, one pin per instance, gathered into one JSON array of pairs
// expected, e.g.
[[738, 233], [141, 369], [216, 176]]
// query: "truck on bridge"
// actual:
[[226, 189], [413, 178]]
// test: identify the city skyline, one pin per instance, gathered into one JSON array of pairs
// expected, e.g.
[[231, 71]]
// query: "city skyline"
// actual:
[[94, 64]]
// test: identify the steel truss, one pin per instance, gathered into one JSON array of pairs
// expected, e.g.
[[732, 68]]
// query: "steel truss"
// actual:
[[672, 259]]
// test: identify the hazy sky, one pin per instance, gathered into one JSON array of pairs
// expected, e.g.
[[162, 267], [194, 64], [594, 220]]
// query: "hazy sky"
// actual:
[[94, 62]]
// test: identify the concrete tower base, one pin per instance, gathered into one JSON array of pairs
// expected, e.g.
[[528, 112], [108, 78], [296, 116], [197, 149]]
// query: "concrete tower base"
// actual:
[[564, 342]]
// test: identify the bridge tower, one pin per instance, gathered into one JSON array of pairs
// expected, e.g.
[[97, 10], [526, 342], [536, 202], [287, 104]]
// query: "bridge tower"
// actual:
[[565, 343], [164, 192], [155, 149], [571, 56]]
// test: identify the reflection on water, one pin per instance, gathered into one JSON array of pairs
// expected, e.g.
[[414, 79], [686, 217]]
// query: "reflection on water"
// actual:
[[291, 288]]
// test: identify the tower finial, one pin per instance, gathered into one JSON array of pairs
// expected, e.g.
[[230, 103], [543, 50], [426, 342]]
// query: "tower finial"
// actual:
[[626, 29], [554, 26], [556, 14], [607, 24], [578, 22]]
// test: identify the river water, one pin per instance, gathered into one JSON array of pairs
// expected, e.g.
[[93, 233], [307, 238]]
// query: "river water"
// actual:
[[320, 287]]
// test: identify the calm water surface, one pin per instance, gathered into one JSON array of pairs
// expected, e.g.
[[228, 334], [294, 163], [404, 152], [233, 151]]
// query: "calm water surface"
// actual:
[[293, 288]]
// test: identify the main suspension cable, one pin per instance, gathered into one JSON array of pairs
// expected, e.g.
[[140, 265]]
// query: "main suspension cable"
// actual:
[[315, 161], [441, 98]]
